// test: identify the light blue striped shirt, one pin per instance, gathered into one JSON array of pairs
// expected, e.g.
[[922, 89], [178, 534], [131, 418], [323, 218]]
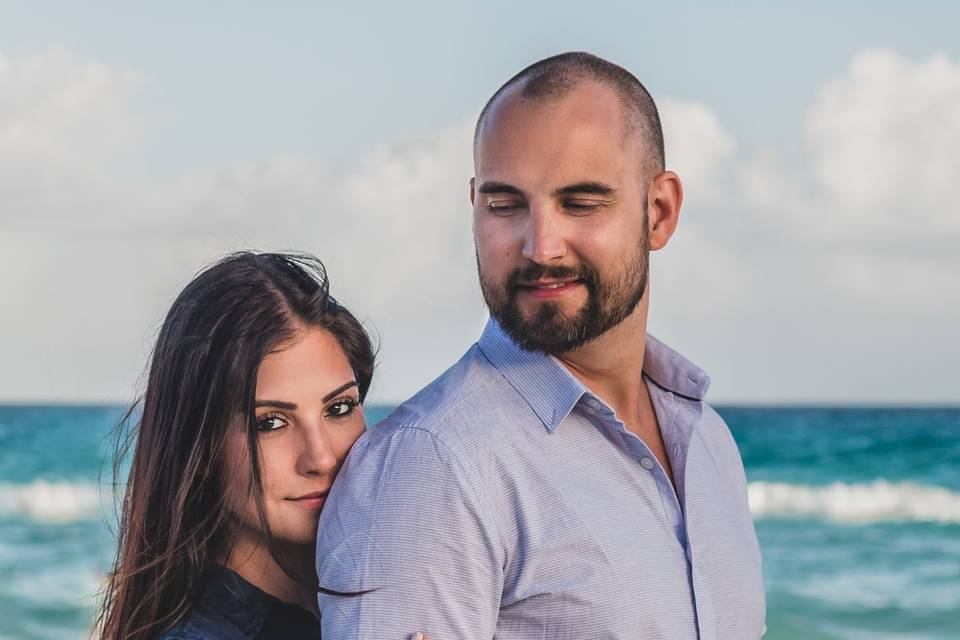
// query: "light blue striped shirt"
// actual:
[[506, 500]]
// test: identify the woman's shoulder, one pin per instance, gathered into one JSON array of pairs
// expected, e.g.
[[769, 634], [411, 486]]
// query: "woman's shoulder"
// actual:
[[200, 625], [181, 631], [230, 608]]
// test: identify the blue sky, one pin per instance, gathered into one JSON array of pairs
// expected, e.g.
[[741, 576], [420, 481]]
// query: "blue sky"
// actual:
[[157, 138], [242, 80]]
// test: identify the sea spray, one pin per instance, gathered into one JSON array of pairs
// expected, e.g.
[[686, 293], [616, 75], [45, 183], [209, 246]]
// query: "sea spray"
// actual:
[[51, 501], [879, 501]]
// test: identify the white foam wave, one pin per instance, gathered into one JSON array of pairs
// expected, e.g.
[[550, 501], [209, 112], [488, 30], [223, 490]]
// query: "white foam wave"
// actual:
[[878, 501], [48, 501]]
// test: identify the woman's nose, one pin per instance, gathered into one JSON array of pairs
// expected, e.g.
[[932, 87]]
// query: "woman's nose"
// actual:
[[317, 457]]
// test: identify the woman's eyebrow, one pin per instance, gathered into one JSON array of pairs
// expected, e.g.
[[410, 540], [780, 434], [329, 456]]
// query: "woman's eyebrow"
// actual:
[[340, 389], [280, 404], [290, 406]]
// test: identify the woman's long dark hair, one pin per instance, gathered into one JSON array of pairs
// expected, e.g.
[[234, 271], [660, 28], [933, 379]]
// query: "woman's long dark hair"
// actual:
[[202, 380]]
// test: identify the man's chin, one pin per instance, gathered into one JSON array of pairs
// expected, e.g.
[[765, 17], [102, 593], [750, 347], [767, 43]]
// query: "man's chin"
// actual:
[[553, 336], [543, 340], [538, 312]]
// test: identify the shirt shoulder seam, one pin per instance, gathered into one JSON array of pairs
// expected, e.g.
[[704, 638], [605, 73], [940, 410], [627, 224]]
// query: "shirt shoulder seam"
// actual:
[[430, 422]]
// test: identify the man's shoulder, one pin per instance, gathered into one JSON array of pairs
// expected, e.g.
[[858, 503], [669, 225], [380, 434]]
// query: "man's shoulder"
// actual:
[[713, 425], [453, 407], [717, 438]]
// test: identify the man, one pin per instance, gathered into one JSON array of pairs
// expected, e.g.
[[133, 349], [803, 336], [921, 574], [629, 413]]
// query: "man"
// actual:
[[564, 479]]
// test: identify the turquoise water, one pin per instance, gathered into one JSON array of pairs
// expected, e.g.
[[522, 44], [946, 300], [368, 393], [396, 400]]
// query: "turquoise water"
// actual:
[[857, 511]]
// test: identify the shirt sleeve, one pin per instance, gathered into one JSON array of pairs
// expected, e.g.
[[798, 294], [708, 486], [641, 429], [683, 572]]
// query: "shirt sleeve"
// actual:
[[404, 523]]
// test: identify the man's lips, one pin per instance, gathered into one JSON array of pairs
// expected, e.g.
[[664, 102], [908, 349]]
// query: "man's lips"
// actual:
[[313, 500], [549, 289]]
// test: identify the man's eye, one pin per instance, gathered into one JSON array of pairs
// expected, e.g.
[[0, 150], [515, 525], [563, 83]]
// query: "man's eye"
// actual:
[[582, 207], [271, 423], [503, 208]]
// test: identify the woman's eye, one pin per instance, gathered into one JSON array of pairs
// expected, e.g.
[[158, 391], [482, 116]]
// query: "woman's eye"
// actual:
[[342, 408], [271, 423]]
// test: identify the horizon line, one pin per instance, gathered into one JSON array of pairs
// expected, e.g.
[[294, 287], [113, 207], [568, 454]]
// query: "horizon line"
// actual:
[[723, 404]]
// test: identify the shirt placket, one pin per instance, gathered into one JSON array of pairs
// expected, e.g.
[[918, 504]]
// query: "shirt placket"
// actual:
[[642, 454], [670, 500]]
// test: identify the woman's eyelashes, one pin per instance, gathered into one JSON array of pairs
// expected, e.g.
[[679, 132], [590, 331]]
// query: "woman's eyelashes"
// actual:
[[342, 407], [271, 422], [338, 409]]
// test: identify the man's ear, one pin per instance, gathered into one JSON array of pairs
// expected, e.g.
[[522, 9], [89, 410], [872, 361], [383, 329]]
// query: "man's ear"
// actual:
[[472, 192], [663, 208]]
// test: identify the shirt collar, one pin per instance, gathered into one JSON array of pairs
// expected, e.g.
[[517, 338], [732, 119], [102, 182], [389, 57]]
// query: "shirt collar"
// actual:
[[546, 385], [673, 372], [552, 391]]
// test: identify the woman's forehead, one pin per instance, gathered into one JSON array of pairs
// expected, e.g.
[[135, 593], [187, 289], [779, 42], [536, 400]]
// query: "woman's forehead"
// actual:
[[314, 362]]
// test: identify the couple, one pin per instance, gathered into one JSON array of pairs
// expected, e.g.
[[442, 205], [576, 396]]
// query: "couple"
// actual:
[[564, 479]]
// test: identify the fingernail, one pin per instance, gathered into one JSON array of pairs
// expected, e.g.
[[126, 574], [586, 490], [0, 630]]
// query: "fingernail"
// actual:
[[417, 636]]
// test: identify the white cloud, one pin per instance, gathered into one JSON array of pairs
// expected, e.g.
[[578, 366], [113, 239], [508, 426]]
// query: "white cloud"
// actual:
[[59, 108], [89, 260], [64, 124], [695, 141], [826, 283], [884, 137], [838, 280]]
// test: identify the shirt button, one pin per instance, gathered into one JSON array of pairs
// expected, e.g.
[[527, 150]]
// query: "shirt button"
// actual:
[[646, 463]]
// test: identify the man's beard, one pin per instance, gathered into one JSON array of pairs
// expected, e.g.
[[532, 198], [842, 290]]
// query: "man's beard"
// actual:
[[549, 330]]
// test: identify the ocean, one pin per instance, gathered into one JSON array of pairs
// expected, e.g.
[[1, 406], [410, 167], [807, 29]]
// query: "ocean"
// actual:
[[857, 511]]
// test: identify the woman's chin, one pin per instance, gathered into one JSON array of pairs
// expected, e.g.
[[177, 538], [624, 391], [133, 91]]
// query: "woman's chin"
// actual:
[[305, 536]]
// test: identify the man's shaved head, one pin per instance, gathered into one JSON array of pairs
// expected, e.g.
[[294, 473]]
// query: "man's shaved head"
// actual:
[[553, 78]]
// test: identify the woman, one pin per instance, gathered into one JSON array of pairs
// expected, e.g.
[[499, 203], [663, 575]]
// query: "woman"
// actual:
[[252, 402]]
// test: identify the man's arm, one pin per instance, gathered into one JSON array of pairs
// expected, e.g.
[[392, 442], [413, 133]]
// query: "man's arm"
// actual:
[[405, 522]]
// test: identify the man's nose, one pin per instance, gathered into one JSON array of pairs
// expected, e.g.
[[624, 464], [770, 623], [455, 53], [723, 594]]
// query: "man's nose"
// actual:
[[543, 240], [317, 457]]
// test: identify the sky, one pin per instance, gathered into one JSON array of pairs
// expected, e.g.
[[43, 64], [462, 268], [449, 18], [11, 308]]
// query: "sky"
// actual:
[[815, 261]]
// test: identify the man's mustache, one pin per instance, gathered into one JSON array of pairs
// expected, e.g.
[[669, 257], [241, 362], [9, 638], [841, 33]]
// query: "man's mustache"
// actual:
[[534, 272]]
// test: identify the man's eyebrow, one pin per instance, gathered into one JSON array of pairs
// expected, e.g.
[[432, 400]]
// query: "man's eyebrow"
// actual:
[[340, 389], [591, 187], [499, 187]]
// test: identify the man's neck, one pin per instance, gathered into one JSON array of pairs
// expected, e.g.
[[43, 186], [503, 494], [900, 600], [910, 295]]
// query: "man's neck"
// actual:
[[611, 366]]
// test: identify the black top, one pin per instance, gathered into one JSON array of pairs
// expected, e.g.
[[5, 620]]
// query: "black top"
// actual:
[[230, 608]]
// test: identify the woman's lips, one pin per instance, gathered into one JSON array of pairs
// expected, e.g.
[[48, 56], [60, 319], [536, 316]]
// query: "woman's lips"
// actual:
[[310, 501]]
